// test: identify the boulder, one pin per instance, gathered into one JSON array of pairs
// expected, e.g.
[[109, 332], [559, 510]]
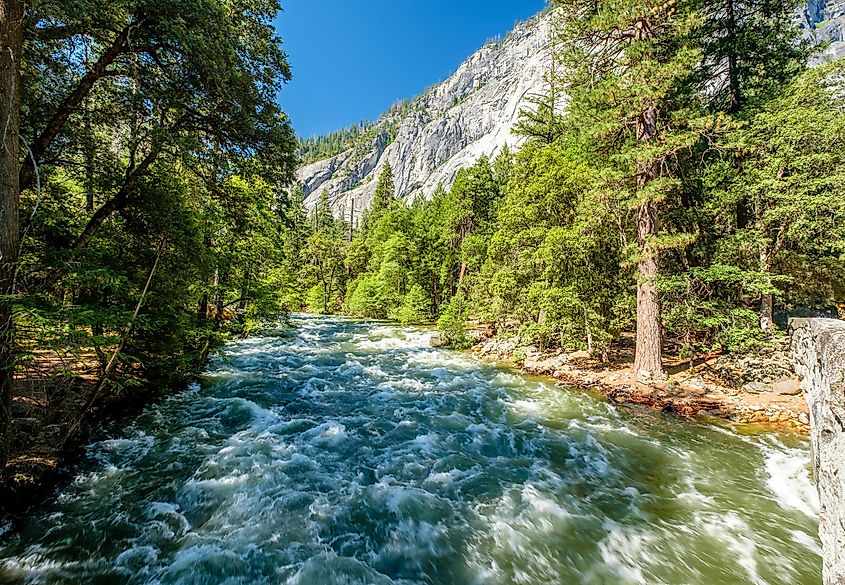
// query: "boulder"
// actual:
[[788, 387]]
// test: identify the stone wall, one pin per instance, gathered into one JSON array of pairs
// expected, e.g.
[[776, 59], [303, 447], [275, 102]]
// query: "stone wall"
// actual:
[[819, 349]]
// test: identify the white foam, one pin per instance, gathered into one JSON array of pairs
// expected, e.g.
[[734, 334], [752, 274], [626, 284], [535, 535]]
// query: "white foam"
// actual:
[[733, 531], [331, 434], [623, 552], [138, 557], [810, 542], [790, 481]]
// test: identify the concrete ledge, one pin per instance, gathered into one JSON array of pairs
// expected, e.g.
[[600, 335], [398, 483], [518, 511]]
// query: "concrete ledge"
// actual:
[[818, 346]]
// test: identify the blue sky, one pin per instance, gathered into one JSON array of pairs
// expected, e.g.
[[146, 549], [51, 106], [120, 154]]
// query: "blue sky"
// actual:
[[352, 60]]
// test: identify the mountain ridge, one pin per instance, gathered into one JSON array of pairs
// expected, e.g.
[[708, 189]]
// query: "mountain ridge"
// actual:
[[452, 124]]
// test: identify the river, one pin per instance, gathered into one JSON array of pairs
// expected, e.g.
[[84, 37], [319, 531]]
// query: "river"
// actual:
[[342, 452]]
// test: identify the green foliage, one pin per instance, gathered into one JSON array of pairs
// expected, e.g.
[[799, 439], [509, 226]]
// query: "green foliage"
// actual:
[[451, 323], [366, 298], [321, 147], [172, 141], [415, 308]]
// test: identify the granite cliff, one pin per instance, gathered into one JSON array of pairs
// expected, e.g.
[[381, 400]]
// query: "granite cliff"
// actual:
[[448, 127], [472, 113]]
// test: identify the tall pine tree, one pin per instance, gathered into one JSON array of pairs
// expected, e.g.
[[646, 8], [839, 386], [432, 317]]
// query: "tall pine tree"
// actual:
[[628, 65]]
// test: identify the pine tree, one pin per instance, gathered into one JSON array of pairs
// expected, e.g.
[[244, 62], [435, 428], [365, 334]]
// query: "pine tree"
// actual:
[[384, 199], [324, 219], [750, 48], [627, 77], [791, 173]]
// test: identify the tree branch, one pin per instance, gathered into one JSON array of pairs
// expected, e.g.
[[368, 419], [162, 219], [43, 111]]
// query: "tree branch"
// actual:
[[73, 101]]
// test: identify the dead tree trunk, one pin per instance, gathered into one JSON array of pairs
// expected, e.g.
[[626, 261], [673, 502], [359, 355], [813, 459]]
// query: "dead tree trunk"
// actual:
[[112, 364]]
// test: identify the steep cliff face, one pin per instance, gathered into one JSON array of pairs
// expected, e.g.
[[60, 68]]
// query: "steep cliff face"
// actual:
[[472, 113], [819, 349], [824, 20], [450, 126]]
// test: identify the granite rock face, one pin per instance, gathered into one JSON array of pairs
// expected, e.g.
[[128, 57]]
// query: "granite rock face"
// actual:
[[473, 113], [448, 127], [824, 21], [819, 349]]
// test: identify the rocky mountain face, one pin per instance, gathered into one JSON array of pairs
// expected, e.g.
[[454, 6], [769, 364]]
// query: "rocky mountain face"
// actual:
[[819, 349], [471, 114], [450, 126], [824, 20]]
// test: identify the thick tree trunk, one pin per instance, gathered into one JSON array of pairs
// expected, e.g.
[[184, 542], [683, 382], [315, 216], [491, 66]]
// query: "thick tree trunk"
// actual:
[[649, 355], [11, 42]]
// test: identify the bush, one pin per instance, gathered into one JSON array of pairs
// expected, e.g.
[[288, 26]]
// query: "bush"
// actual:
[[367, 298], [415, 308], [452, 323], [314, 299]]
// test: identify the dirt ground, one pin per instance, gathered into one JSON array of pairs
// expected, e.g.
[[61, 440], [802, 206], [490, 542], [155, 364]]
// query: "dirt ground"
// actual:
[[50, 392]]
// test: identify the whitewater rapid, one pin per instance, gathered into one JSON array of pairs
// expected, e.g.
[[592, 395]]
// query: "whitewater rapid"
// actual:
[[346, 452]]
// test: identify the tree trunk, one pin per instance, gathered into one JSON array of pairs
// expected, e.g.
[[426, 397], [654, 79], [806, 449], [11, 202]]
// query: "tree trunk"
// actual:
[[116, 203], [202, 308], [218, 299], [649, 355], [112, 364], [89, 147], [11, 42], [588, 330], [735, 98], [767, 312], [767, 301]]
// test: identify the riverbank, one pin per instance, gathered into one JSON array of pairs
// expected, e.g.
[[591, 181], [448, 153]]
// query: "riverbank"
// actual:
[[51, 425], [759, 389], [49, 393]]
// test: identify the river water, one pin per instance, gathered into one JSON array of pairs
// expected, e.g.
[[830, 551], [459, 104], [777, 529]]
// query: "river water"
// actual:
[[343, 452]]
